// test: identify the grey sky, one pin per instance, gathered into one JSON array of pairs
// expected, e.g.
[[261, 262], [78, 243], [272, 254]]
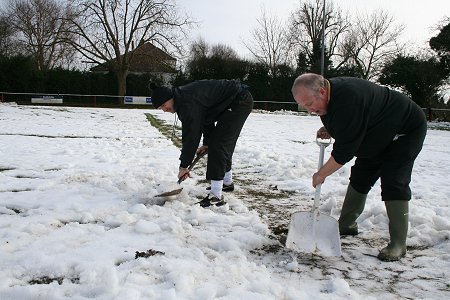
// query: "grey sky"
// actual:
[[229, 22]]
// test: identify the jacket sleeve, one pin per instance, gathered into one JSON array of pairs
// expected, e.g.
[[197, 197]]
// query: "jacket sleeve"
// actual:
[[191, 133]]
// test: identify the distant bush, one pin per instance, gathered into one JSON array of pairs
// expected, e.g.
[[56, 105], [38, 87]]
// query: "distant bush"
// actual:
[[17, 75]]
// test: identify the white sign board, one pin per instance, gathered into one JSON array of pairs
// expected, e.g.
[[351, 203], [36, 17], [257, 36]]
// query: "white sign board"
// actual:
[[137, 100], [47, 99]]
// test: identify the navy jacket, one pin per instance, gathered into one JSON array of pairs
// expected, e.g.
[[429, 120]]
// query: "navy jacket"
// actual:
[[199, 105]]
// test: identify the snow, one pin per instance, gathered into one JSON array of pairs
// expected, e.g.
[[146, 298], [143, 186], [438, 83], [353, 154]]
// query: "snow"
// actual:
[[77, 201]]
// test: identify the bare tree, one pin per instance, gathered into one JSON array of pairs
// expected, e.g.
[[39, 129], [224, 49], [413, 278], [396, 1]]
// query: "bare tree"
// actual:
[[199, 48], [41, 27], [7, 37], [108, 31], [306, 27], [372, 41], [218, 61], [224, 52], [270, 43]]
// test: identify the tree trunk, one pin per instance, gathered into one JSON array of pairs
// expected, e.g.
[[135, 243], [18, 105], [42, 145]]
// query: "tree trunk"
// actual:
[[121, 76]]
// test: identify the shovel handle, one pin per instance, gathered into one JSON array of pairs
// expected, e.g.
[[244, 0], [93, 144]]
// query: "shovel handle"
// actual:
[[322, 144], [196, 159]]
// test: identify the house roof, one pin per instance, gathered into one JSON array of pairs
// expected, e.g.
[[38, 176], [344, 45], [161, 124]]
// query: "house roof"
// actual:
[[146, 58]]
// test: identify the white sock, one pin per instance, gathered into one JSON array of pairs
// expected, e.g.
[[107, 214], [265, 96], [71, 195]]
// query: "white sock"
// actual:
[[216, 188], [228, 178]]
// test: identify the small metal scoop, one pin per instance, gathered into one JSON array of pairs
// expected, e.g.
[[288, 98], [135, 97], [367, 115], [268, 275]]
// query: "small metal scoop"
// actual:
[[178, 190]]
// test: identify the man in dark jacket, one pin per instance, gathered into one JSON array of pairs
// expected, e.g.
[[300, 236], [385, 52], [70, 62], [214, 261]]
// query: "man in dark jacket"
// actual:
[[384, 129], [216, 109]]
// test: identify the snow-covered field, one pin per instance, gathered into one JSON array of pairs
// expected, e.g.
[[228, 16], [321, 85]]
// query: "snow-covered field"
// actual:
[[77, 189]]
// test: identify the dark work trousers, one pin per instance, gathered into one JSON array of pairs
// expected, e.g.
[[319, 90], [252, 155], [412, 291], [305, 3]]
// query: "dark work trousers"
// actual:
[[393, 167], [223, 138]]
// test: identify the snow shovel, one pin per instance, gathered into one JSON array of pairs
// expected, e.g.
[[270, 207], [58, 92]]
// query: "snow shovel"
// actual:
[[314, 231], [178, 190]]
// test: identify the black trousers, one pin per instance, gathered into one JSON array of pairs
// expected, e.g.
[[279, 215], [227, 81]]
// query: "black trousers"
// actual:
[[393, 167], [223, 138]]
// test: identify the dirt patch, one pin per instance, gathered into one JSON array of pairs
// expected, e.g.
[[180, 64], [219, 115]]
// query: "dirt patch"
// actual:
[[16, 191], [48, 280], [15, 209], [3, 169], [148, 253]]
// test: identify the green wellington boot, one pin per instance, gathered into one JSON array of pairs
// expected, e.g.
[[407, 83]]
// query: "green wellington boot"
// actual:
[[397, 211], [353, 206]]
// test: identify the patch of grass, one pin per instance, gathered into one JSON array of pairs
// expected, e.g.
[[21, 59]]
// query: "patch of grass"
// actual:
[[2, 169], [417, 248], [272, 248], [272, 192], [269, 194], [16, 210], [52, 170], [55, 137], [203, 181], [48, 280], [148, 253], [26, 177], [165, 129], [16, 191], [300, 142]]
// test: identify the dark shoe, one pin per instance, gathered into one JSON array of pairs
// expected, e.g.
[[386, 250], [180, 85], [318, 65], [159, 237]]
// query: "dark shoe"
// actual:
[[221, 202], [225, 188], [211, 200]]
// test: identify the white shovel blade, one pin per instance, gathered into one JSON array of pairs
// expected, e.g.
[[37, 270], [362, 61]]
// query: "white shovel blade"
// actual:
[[311, 231]]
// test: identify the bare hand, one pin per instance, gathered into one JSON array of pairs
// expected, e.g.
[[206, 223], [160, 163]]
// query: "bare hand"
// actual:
[[183, 174], [317, 179], [202, 150], [322, 133]]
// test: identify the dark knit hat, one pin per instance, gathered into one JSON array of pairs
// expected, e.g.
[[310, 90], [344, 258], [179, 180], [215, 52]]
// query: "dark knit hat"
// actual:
[[160, 95]]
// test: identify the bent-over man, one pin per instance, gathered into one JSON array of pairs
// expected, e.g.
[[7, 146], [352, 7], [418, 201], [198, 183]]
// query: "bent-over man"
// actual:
[[384, 130], [216, 109]]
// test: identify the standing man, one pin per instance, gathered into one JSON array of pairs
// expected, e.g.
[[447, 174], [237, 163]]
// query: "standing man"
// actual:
[[216, 109], [384, 129]]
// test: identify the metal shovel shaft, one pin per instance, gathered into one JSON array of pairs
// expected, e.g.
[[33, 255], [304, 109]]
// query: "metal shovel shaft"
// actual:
[[319, 186], [315, 209]]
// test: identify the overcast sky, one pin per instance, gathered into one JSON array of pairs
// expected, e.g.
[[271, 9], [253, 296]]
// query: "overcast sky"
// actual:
[[230, 22]]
